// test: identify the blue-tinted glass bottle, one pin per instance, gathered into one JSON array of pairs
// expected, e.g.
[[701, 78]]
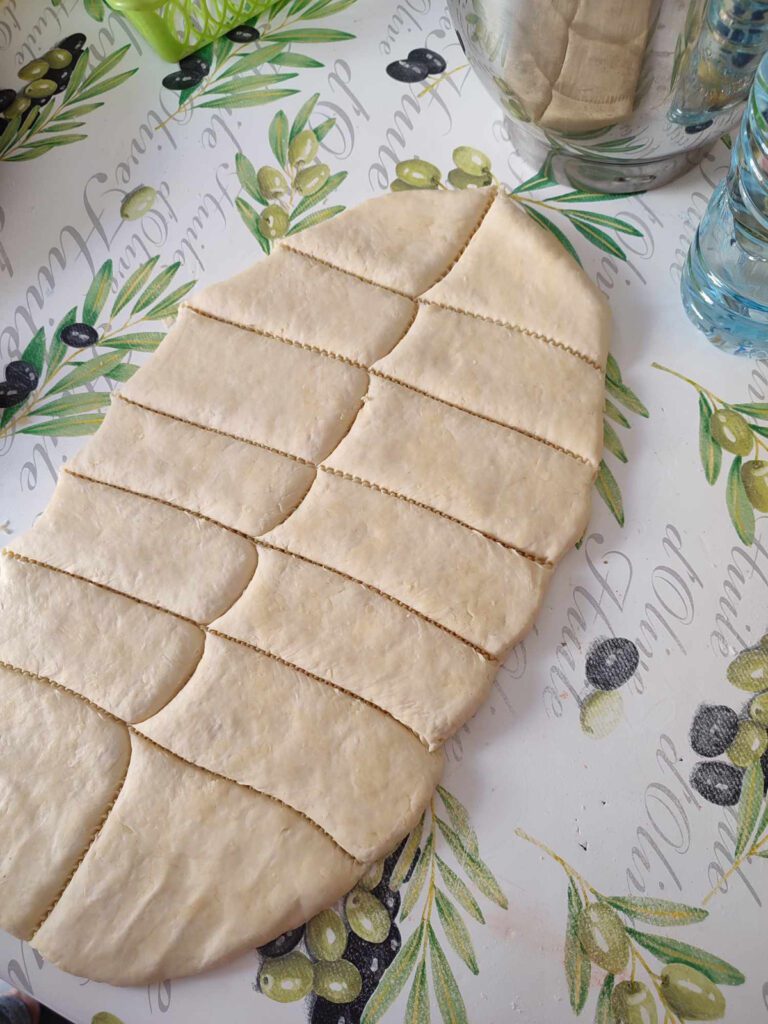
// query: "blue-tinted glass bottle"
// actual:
[[725, 280]]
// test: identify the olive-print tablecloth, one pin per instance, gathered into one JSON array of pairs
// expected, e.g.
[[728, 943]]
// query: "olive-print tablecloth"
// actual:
[[582, 858]]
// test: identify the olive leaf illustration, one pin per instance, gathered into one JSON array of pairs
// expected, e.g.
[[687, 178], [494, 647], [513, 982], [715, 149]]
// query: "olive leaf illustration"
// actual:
[[738, 429], [423, 950], [60, 92], [51, 390], [249, 64], [299, 182], [600, 934], [472, 169], [95, 9], [617, 391], [351, 962]]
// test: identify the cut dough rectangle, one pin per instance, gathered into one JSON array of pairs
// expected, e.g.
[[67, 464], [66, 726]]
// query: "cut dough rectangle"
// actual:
[[364, 643], [234, 483], [68, 763], [101, 645], [349, 317], [505, 375], [182, 864], [492, 478], [517, 289], [141, 548], [480, 590], [239, 701], [250, 386]]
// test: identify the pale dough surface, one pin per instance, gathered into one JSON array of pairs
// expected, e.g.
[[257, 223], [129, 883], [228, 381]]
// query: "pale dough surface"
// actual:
[[491, 477], [349, 317], [302, 613], [68, 761], [141, 548], [241, 383], [231, 482], [101, 645], [471, 585], [504, 375], [240, 700], [186, 867], [518, 287], [275, 582]]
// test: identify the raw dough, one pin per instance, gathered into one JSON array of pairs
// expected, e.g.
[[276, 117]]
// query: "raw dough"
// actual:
[[282, 574]]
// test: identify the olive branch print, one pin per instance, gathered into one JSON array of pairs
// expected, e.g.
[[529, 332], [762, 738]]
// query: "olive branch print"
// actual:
[[426, 869], [95, 9], [600, 932], [733, 428], [351, 962], [243, 67], [472, 169], [741, 781], [50, 390], [617, 393], [60, 92], [298, 183]]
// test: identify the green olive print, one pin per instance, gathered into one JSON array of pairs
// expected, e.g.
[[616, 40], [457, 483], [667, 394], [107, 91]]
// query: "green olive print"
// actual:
[[326, 936], [471, 161], [601, 712], [303, 148], [731, 431], [288, 196], [754, 476], [138, 202], [749, 670], [58, 58], [758, 709], [54, 91], [372, 876], [35, 69], [288, 978], [601, 932], [632, 1002], [461, 180], [472, 169], [40, 87], [603, 938], [690, 994], [418, 173], [273, 222], [272, 183], [311, 179], [749, 745], [338, 982], [366, 915], [739, 429]]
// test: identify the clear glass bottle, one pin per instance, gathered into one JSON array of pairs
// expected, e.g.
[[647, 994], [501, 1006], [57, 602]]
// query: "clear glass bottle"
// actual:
[[725, 281]]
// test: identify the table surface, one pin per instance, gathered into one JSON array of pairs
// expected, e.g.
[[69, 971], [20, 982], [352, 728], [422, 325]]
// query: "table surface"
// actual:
[[674, 563]]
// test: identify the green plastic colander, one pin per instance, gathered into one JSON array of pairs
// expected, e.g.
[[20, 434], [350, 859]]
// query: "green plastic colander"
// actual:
[[175, 28]]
